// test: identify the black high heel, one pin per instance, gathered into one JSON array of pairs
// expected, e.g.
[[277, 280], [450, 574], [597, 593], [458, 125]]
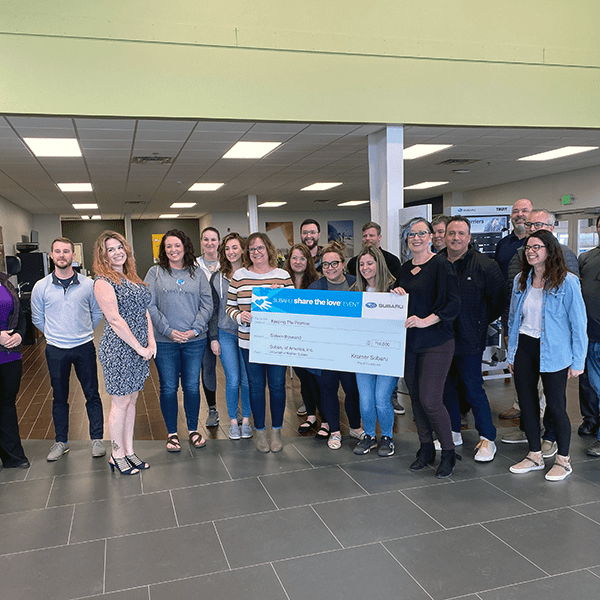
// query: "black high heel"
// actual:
[[123, 465], [425, 456], [136, 462]]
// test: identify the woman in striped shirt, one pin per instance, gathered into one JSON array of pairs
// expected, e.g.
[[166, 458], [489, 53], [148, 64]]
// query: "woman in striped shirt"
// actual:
[[260, 270]]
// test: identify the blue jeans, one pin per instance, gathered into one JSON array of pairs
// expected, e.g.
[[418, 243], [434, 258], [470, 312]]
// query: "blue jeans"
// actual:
[[258, 375], [235, 375], [174, 361], [593, 367], [375, 395], [465, 375], [83, 358]]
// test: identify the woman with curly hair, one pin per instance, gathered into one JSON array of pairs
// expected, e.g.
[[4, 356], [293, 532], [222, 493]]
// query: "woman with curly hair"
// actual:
[[180, 308], [127, 344], [547, 338]]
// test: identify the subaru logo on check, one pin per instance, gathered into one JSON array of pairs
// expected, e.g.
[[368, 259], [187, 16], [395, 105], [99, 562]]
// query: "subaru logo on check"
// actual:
[[371, 304]]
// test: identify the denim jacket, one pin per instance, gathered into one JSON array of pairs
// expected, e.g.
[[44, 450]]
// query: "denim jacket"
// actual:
[[563, 341]]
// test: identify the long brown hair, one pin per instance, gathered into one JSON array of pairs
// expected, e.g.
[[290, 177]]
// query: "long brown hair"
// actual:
[[225, 265], [271, 251], [555, 267], [102, 267], [310, 273], [189, 260], [383, 278]]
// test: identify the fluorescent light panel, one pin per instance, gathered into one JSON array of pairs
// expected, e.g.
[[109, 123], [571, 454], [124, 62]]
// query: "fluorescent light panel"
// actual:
[[85, 217], [559, 153], [75, 187], [321, 187], [168, 216], [183, 204], [419, 150], [353, 203], [85, 206], [61, 147], [271, 204], [96, 217], [251, 149], [426, 185], [205, 187]]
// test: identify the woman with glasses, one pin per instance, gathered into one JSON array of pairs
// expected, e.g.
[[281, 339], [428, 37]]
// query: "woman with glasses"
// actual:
[[301, 267], [433, 304], [547, 338], [334, 261], [259, 270]]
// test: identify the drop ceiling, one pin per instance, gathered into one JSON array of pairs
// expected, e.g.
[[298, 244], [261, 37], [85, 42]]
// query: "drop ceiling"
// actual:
[[309, 153]]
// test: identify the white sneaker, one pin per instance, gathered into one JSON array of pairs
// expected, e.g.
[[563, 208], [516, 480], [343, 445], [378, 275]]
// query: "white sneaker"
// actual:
[[486, 450], [560, 470], [456, 438], [549, 449]]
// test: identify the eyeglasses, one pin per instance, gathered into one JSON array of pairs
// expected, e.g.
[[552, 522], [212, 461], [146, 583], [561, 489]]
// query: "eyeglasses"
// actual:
[[331, 265], [256, 249], [534, 248], [413, 234], [537, 225]]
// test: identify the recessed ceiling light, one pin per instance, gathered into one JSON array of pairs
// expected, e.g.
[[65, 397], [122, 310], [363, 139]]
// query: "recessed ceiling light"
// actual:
[[205, 187], [96, 217], [271, 204], [183, 204], [75, 187], [84, 206], [251, 149], [353, 203], [85, 217], [321, 187], [54, 146], [559, 153], [461, 171], [419, 150], [168, 216], [425, 185]]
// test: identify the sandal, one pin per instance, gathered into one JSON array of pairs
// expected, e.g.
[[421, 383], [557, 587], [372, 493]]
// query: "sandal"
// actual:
[[173, 444], [323, 433], [335, 441], [307, 426], [197, 440]]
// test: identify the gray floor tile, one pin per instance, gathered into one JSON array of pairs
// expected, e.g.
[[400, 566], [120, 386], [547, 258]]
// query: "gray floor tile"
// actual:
[[365, 572], [24, 495], [557, 541], [466, 503], [95, 485], [468, 468], [184, 473], [160, 556], [65, 572], [245, 584], [534, 490], [78, 460], [11, 475], [588, 469], [122, 516], [591, 511], [221, 500], [461, 561], [35, 529], [309, 486], [374, 518], [276, 535], [581, 585], [140, 593]]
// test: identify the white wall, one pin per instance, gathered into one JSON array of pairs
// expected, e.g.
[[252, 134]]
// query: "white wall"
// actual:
[[15, 223], [49, 227]]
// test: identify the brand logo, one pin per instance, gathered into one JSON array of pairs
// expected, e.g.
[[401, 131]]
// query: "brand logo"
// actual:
[[371, 304]]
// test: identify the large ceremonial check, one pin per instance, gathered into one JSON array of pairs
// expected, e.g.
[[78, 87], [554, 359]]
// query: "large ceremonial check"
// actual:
[[359, 332]]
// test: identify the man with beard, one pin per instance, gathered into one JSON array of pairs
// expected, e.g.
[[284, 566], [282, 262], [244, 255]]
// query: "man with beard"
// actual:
[[65, 310], [507, 247], [310, 232], [371, 236]]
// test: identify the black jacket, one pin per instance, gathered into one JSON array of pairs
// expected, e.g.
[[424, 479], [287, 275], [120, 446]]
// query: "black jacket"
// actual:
[[482, 292]]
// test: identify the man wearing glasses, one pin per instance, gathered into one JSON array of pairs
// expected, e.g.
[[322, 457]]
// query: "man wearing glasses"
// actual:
[[310, 232]]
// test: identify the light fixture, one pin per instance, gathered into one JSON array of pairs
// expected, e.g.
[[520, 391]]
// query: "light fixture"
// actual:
[[425, 185], [461, 171], [85, 206], [75, 187], [321, 186], [251, 149], [559, 153], [96, 217], [271, 204], [168, 216], [419, 150], [183, 204], [205, 187], [54, 146], [85, 217], [353, 203]]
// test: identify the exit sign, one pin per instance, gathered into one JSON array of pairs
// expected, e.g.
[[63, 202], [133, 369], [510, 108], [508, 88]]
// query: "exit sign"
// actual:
[[566, 199]]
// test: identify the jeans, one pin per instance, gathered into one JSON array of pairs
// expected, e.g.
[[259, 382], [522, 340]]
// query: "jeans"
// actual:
[[174, 360], [11, 450], [258, 375], [329, 382], [83, 358], [235, 375], [375, 394], [465, 375], [593, 367]]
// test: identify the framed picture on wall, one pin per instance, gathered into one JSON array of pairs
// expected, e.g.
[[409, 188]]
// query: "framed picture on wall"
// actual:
[[342, 231]]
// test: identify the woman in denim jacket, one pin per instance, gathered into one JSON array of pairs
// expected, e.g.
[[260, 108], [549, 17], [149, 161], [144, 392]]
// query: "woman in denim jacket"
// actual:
[[547, 328]]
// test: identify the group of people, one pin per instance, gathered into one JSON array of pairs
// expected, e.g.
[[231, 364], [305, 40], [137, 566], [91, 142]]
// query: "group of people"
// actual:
[[188, 311]]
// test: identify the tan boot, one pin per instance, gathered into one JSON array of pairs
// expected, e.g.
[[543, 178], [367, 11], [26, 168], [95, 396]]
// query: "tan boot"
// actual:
[[262, 443], [276, 445]]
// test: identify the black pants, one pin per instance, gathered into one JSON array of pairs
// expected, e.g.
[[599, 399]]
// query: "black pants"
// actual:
[[11, 450], [526, 375], [309, 390], [329, 383]]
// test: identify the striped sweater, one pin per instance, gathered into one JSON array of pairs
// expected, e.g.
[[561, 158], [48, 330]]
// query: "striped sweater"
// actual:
[[239, 296]]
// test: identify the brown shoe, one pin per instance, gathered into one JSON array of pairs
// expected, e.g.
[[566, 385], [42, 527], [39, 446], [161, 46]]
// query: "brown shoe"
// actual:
[[511, 413]]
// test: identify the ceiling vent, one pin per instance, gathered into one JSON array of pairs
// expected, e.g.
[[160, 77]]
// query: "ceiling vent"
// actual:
[[157, 160], [452, 162], [323, 200]]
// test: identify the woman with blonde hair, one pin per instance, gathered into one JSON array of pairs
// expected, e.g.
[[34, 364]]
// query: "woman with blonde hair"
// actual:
[[127, 344]]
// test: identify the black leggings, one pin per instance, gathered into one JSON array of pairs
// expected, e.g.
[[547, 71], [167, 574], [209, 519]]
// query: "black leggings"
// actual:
[[329, 383], [526, 374]]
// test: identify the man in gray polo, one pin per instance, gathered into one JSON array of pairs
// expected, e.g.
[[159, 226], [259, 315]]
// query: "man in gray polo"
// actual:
[[65, 310]]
